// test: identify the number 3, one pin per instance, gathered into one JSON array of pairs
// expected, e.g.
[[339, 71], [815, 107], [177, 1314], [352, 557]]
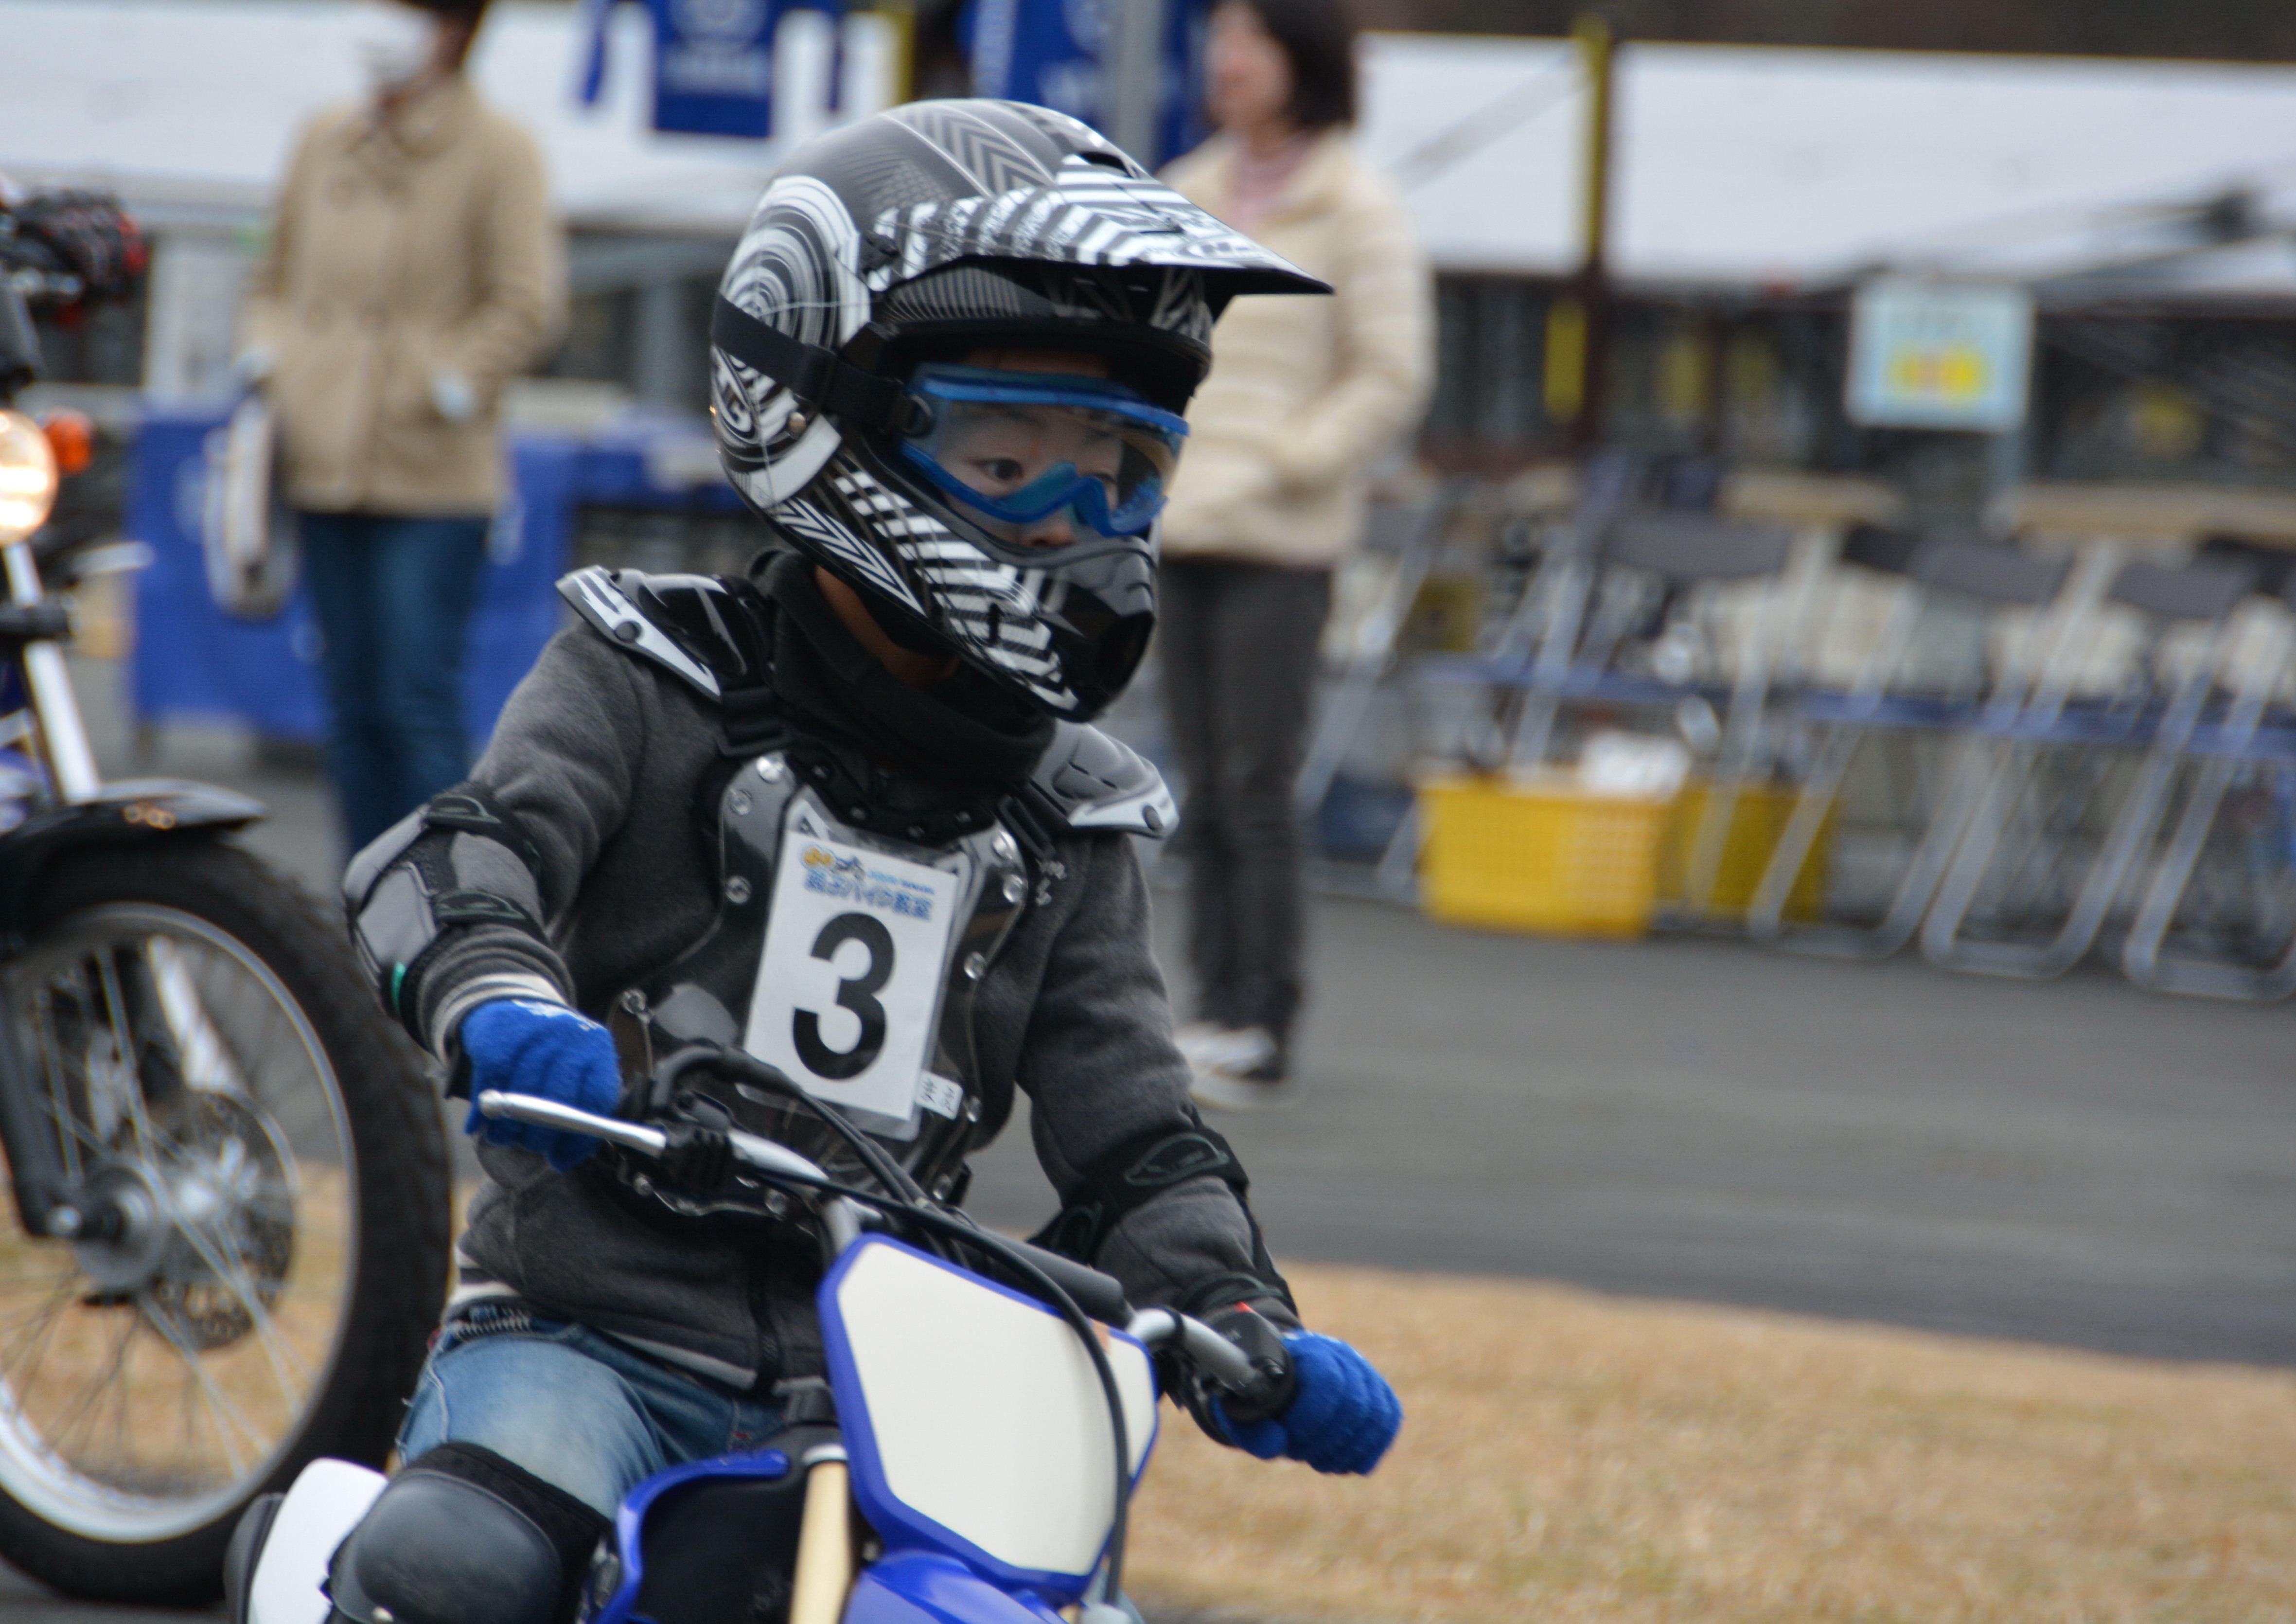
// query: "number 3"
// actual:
[[819, 1058]]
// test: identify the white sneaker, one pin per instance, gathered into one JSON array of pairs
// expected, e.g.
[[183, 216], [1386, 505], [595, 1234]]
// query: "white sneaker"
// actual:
[[1194, 1038], [1209, 1047], [1230, 1066], [1217, 1091]]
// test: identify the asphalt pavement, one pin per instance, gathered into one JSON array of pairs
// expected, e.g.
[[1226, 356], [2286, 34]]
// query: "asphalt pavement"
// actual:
[[2074, 1163]]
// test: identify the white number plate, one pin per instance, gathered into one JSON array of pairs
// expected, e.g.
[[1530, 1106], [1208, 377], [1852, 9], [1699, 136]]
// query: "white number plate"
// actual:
[[850, 981]]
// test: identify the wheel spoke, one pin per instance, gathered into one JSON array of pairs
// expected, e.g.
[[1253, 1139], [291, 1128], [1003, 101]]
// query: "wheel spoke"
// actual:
[[225, 1268], [221, 1410], [49, 1313], [207, 1058], [63, 1428], [124, 1077]]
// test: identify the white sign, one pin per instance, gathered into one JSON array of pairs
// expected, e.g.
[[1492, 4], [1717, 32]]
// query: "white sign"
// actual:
[[850, 981], [1930, 354]]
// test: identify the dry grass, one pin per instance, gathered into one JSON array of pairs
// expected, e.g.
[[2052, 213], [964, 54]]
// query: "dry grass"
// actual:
[[1568, 1456]]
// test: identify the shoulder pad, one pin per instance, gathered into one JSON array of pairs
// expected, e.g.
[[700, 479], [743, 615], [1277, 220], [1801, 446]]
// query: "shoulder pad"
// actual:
[[1089, 781], [700, 627]]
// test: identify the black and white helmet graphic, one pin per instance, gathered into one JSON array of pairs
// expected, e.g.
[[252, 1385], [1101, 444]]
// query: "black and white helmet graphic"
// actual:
[[882, 260]]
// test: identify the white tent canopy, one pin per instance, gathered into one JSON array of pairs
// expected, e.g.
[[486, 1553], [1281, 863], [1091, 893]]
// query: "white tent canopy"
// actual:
[[1737, 167], [1756, 167], [189, 105]]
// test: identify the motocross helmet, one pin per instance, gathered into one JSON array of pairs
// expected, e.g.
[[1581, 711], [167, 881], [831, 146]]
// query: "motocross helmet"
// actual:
[[1005, 516]]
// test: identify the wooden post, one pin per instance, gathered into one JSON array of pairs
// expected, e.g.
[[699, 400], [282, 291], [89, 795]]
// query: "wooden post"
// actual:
[[1578, 324]]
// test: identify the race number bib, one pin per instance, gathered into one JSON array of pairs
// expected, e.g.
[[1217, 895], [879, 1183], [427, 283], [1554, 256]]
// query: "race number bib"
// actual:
[[850, 981]]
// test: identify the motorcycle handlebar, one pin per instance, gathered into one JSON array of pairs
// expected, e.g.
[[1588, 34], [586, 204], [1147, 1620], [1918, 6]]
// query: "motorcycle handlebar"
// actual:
[[1097, 1294], [568, 1119], [762, 1154], [1100, 1296]]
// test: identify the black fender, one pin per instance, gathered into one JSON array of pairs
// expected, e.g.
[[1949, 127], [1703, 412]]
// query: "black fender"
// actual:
[[132, 812]]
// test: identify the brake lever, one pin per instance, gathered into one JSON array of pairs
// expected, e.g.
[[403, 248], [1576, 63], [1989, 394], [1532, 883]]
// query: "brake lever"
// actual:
[[1270, 1388], [1230, 1367]]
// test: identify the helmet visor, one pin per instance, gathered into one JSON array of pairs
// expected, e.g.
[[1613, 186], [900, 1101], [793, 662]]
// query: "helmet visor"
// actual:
[[1045, 459]]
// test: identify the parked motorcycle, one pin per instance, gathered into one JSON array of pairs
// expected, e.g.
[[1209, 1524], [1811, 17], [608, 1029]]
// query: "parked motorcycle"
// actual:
[[988, 1408], [230, 1190]]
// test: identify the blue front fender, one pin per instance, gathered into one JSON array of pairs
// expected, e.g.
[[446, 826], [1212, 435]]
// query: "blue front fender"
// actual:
[[920, 1587]]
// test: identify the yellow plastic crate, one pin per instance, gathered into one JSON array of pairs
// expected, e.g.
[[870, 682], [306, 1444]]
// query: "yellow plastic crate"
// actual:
[[1539, 855], [1763, 811], [1546, 856]]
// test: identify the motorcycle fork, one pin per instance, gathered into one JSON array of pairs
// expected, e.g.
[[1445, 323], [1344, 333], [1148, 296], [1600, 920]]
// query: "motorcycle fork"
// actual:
[[43, 1184], [47, 1191], [826, 1550], [36, 1123]]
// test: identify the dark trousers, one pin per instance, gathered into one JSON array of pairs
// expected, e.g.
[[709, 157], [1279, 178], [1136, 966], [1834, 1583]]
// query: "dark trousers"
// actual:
[[1238, 644], [393, 597]]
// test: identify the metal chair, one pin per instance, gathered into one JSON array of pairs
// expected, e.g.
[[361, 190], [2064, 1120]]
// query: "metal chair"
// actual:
[[2246, 741], [2049, 770], [1627, 622], [1891, 698], [1413, 531], [1546, 617]]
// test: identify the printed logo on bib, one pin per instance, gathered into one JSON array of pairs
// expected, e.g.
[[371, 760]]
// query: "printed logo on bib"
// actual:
[[849, 983]]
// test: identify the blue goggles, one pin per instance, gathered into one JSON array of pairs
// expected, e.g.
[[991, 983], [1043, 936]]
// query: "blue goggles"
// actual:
[[1035, 454]]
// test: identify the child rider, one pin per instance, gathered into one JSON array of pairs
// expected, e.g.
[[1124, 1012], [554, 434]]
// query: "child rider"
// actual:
[[845, 814]]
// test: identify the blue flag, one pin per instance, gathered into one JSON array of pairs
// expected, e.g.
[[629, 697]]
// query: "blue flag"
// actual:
[[1050, 51], [713, 60]]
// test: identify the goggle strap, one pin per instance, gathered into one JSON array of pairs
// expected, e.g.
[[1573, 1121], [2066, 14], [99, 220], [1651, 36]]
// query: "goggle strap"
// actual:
[[817, 377]]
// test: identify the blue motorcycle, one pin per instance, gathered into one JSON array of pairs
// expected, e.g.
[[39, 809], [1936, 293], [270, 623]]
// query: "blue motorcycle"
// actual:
[[882, 1502]]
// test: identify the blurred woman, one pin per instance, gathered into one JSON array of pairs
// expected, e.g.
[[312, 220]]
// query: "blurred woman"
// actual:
[[414, 267], [1304, 393]]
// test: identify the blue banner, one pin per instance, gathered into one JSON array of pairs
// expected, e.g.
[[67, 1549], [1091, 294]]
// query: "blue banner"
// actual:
[[1050, 51], [713, 60]]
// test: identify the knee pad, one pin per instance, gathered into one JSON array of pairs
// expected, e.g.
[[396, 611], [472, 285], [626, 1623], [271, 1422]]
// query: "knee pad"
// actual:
[[462, 1537]]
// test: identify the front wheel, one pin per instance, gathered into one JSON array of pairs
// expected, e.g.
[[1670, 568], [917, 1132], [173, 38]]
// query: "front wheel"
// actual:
[[211, 1060]]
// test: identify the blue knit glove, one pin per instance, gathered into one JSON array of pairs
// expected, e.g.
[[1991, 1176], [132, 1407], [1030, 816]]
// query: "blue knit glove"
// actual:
[[523, 1045], [1341, 1417]]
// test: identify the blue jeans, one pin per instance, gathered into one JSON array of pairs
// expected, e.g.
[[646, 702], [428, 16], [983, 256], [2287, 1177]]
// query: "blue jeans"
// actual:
[[393, 598], [574, 1407]]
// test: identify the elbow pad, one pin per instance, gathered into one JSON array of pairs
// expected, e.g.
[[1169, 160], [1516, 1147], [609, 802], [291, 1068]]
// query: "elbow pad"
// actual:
[[460, 860]]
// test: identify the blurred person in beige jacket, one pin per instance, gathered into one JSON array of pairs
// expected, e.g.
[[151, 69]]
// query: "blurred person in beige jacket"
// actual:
[[1305, 393], [414, 267]]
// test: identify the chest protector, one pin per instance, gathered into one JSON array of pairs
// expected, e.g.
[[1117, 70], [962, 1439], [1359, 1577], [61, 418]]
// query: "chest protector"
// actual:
[[848, 958], [849, 961]]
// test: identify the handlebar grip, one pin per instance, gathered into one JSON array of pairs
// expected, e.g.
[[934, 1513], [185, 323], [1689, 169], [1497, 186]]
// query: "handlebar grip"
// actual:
[[1100, 1296]]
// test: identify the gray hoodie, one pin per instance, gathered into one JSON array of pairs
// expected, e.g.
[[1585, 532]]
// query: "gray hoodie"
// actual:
[[607, 758]]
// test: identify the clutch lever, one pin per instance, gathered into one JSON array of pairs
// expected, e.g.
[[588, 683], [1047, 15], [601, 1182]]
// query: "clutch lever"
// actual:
[[1213, 1354], [1255, 1381]]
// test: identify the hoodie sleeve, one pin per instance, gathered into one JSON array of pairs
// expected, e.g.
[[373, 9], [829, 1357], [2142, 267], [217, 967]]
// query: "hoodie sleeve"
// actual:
[[1100, 1073], [563, 762]]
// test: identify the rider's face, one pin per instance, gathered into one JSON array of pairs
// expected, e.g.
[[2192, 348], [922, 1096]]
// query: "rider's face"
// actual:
[[997, 449]]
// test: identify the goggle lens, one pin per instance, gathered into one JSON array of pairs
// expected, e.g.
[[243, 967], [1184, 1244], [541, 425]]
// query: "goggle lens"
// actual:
[[1045, 459]]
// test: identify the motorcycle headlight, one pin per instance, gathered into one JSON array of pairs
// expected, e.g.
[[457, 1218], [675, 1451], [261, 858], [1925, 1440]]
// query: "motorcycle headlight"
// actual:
[[28, 477]]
